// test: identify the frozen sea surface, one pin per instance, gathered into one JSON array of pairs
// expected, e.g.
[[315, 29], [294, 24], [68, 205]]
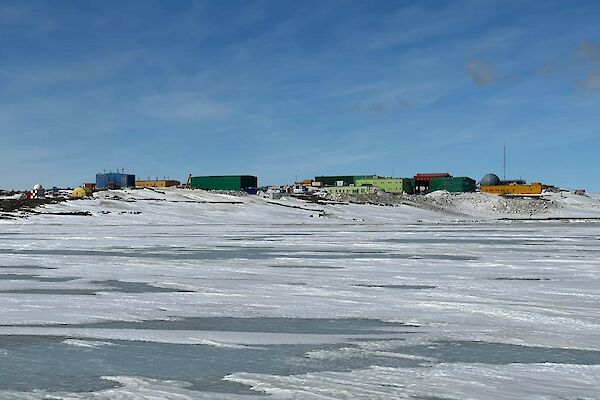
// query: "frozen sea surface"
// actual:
[[210, 296]]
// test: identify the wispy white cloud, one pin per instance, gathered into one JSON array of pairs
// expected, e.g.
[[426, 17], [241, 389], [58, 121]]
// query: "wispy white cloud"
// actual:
[[184, 106], [99, 69], [414, 23]]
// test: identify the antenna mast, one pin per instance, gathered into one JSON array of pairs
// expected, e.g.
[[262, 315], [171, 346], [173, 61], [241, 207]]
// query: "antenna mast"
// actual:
[[504, 163]]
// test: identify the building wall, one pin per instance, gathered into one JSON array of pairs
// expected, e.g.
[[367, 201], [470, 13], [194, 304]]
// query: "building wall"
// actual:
[[159, 183], [347, 179], [350, 189], [534, 188], [114, 180], [229, 182], [453, 184], [248, 181], [390, 185], [427, 177]]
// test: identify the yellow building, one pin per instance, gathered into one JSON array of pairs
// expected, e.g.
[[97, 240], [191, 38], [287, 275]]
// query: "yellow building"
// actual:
[[156, 184], [514, 189]]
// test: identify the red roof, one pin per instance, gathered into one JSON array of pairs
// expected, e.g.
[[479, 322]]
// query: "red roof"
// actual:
[[428, 177]]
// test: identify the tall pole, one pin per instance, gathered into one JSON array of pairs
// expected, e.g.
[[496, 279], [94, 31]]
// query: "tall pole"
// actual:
[[504, 163]]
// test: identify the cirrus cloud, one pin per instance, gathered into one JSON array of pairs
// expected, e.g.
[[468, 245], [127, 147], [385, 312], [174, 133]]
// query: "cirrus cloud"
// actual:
[[184, 106]]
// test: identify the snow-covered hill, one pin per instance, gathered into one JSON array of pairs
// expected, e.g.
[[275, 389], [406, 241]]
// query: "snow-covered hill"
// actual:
[[172, 205]]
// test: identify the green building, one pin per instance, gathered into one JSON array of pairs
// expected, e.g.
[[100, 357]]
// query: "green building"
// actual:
[[346, 179], [390, 185], [224, 182], [453, 184], [349, 189]]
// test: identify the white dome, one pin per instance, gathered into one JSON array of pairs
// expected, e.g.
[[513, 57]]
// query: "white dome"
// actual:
[[37, 187]]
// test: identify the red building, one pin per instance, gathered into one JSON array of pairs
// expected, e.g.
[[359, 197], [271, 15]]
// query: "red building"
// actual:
[[422, 180]]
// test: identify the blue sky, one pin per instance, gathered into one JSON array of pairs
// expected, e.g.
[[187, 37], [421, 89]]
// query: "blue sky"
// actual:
[[286, 89]]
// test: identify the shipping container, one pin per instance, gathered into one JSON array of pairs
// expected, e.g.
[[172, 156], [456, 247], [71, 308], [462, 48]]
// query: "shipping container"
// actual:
[[114, 180], [453, 184], [224, 182]]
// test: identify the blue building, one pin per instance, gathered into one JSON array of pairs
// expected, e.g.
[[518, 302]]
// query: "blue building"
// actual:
[[114, 180]]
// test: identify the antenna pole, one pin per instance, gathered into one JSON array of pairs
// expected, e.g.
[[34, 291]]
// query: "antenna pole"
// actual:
[[504, 164]]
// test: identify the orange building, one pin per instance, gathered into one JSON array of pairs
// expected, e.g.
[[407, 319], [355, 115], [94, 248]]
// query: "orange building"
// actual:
[[156, 184]]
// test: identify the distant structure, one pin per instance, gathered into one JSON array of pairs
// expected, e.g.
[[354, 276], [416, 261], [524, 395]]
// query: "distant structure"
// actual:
[[114, 180], [309, 183], [490, 183], [224, 182], [38, 192], [454, 184], [365, 189], [389, 185], [514, 189], [489, 179], [422, 181], [159, 183], [340, 180]]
